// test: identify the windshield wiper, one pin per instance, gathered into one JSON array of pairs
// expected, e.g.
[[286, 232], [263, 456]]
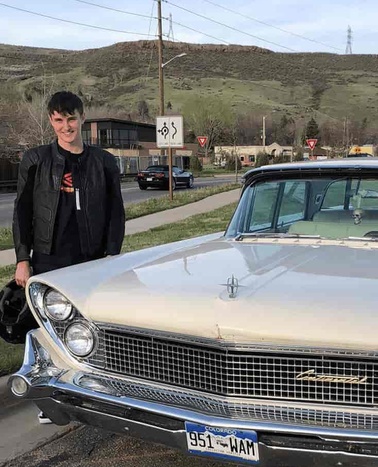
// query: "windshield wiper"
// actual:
[[242, 235]]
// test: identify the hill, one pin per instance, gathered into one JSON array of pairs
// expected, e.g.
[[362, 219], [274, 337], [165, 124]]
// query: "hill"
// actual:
[[248, 78]]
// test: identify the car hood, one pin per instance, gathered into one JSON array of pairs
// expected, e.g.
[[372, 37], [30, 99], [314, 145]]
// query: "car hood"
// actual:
[[322, 295]]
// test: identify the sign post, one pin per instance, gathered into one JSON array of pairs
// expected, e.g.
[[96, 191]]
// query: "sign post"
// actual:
[[202, 141], [311, 143], [170, 134]]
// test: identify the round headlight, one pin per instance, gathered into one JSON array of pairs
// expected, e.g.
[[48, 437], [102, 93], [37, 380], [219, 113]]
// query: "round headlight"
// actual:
[[57, 307], [79, 339]]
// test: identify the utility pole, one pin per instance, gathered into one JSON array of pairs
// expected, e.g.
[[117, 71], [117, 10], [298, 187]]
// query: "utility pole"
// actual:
[[161, 94], [264, 135], [160, 53]]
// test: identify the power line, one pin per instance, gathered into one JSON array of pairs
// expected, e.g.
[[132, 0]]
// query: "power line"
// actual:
[[73, 22], [201, 32], [229, 27], [271, 25], [113, 9], [166, 19]]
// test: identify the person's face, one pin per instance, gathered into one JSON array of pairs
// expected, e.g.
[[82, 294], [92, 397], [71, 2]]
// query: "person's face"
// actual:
[[67, 127]]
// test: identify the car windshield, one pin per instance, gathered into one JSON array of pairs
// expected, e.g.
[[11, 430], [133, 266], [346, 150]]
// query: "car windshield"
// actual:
[[324, 207], [157, 168]]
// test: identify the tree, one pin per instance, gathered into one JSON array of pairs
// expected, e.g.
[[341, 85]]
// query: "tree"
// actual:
[[209, 117], [312, 130], [262, 159], [284, 132], [143, 110], [230, 162], [30, 125], [298, 154], [195, 164]]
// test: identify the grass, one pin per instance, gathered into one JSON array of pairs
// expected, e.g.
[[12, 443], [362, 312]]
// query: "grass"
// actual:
[[163, 203], [6, 239], [144, 208], [200, 224], [11, 355]]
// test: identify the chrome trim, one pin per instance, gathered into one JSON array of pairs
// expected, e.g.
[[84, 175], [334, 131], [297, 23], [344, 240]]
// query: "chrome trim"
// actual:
[[270, 456], [92, 328], [253, 346], [238, 409], [235, 372]]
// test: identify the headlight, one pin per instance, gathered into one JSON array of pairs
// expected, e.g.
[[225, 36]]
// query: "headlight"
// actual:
[[79, 339], [56, 306]]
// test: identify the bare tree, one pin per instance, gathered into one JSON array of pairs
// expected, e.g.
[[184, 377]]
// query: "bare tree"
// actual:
[[208, 117], [33, 127]]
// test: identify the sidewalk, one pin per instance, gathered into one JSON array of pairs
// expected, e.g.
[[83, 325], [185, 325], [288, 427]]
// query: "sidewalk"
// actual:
[[142, 224]]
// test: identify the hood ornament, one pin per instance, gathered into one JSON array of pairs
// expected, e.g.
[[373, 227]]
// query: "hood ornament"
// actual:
[[232, 286]]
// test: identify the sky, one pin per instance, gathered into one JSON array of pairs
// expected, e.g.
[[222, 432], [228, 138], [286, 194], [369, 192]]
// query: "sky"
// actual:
[[279, 25]]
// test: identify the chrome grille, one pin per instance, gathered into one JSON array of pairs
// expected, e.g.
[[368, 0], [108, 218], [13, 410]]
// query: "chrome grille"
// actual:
[[243, 410], [234, 373]]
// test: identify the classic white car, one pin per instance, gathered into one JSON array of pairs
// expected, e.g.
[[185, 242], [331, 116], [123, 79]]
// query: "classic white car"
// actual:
[[259, 345]]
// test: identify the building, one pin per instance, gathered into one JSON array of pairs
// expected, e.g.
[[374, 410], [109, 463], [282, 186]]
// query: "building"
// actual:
[[133, 144], [247, 154], [358, 151]]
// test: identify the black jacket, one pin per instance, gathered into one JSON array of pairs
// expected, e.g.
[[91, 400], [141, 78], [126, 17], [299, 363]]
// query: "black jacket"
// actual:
[[38, 191]]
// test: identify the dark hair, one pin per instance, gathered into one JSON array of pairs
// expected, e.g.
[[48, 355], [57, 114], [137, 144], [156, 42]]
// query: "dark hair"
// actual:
[[65, 102]]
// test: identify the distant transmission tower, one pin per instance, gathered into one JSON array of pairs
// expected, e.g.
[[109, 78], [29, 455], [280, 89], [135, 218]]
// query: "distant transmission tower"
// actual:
[[170, 32], [348, 49]]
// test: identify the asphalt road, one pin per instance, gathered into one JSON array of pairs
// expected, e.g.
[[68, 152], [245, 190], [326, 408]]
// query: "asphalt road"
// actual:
[[130, 192], [88, 447]]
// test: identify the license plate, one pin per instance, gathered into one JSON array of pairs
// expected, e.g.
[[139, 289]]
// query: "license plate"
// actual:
[[149, 179], [223, 443]]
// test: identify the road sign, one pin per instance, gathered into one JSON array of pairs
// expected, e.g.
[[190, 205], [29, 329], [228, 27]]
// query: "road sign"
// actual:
[[311, 143], [170, 131], [202, 140]]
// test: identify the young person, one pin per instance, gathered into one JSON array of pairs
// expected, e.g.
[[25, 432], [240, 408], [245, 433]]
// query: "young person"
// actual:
[[69, 206]]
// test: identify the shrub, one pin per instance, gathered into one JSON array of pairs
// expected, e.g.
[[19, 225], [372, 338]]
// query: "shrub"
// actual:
[[195, 164], [280, 159], [230, 163], [262, 159]]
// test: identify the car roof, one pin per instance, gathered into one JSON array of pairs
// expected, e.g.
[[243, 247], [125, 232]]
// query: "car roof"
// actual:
[[160, 166], [358, 163]]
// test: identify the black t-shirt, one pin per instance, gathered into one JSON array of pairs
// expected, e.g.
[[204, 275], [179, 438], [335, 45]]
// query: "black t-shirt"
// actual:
[[66, 247]]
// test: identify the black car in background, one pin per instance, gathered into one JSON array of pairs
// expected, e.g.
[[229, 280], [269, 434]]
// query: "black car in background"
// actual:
[[157, 176]]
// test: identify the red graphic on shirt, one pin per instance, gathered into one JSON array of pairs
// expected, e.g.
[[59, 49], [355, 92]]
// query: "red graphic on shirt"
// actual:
[[67, 183]]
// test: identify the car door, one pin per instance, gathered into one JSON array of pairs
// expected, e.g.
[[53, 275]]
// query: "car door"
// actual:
[[180, 175]]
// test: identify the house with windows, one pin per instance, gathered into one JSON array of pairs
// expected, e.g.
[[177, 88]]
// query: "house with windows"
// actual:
[[247, 154], [132, 143]]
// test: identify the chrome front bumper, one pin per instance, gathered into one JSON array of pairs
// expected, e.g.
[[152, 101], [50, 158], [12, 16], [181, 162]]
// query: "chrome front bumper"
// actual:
[[67, 395]]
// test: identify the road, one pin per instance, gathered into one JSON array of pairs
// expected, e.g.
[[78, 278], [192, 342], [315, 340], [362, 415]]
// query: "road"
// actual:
[[88, 447], [130, 192]]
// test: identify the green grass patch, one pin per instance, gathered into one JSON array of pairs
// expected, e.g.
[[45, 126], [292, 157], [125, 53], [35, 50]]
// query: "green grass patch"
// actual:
[[11, 357], [200, 224], [163, 203], [6, 239]]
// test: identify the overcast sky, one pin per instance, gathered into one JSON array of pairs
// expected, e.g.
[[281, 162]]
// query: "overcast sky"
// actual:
[[322, 21]]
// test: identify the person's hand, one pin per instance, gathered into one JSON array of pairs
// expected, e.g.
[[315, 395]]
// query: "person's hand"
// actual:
[[22, 273]]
